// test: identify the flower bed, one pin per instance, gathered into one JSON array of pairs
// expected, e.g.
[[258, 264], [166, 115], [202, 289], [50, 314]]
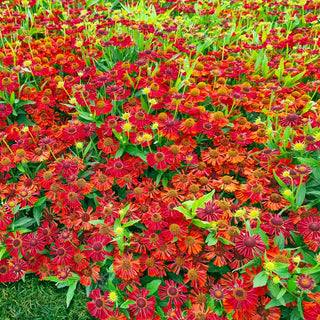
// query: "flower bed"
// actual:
[[164, 155]]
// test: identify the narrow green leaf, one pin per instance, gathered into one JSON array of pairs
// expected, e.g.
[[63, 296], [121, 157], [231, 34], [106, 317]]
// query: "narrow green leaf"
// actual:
[[40, 202], [70, 292], [281, 293], [301, 195]]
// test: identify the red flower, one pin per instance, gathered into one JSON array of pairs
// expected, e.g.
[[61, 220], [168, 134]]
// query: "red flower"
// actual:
[[15, 243], [249, 245], [63, 252], [125, 267], [162, 159], [99, 307], [5, 274], [18, 268], [175, 292], [241, 300], [192, 243], [210, 212], [96, 246], [5, 110], [143, 308], [6, 216], [34, 243]]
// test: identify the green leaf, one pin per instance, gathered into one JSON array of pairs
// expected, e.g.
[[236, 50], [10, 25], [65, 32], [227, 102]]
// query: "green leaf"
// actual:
[[2, 252], [201, 224], [201, 201], [125, 305], [283, 273], [211, 240], [130, 223], [280, 241], [37, 213], [136, 152], [120, 152], [309, 161], [260, 279], [281, 293], [281, 183], [40, 202], [301, 195], [292, 284], [273, 288], [124, 211], [70, 292], [280, 70], [153, 287], [52, 278], [94, 222], [265, 67], [144, 104], [275, 303], [299, 304], [23, 222], [286, 135]]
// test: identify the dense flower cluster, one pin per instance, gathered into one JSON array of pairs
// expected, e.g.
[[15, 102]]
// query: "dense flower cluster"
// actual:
[[164, 154]]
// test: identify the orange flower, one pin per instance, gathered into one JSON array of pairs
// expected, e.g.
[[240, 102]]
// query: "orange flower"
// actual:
[[192, 244]]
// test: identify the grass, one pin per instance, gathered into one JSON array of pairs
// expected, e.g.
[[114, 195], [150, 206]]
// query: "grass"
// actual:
[[40, 300]]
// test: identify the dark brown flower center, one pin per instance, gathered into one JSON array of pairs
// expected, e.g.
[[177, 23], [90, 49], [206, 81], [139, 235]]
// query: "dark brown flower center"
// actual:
[[61, 252], [97, 246], [276, 221], [172, 292], [314, 226], [275, 198], [159, 156], [99, 303], [141, 303], [240, 294], [17, 243], [249, 242]]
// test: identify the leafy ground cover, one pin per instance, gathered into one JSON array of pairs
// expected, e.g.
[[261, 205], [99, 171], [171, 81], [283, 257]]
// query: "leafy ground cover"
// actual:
[[162, 157], [38, 300]]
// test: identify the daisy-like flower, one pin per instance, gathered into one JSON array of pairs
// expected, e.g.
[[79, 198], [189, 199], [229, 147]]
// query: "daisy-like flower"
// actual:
[[99, 307], [96, 247], [88, 274], [249, 245], [161, 159], [262, 313], [210, 212], [15, 243], [275, 202], [305, 282], [197, 276], [291, 120], [309, 228], [34, 243], [143, 308], [5, 274], [6, 217], [63, 252], [217, 292], [274, 224], [175, 292], [192, 243], [241, 300], [125, 267], [18, 268]]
